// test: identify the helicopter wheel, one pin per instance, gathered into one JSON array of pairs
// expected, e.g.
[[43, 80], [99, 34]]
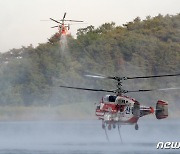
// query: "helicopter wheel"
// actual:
[[136, 126], [109, 127]]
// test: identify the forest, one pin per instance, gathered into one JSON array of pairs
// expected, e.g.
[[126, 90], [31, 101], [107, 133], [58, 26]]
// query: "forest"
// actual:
[[30, 76]]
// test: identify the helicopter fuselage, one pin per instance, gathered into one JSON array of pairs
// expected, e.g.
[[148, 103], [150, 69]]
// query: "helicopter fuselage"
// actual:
[[121, 110]]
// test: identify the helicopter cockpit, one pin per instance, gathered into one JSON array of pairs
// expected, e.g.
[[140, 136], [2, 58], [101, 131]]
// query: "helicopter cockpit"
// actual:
[[109, 98]]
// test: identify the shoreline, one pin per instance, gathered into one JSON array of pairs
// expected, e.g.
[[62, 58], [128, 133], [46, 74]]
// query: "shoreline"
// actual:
[[39, 113]]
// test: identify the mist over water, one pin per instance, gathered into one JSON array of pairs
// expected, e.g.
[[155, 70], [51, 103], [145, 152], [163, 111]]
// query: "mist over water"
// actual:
[[85, 137]]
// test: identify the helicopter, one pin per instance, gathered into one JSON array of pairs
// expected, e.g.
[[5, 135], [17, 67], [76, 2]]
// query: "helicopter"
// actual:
[[118, 109], [63, 29]]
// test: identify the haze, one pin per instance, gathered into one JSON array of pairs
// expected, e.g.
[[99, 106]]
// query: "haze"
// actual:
[[21, 25]]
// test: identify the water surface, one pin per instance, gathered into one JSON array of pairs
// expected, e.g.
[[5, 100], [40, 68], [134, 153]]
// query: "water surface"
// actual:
[[85, 137]]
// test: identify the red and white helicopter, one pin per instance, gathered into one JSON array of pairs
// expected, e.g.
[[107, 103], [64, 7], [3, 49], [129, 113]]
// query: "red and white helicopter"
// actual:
[[63, 29], [119, 109]]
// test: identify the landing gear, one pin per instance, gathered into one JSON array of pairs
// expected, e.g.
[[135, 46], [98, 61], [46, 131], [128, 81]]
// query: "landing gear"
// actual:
[[136, 126], [109, 127], [114, 126]]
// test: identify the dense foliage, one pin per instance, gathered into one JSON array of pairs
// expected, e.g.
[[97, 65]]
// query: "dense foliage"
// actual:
[[30, 76]]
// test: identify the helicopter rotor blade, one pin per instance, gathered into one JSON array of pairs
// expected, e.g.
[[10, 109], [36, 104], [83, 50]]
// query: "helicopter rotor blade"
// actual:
[[55, 20], [96, 76], [74, 20], [147, 90], [100, 76], [129, 78], [54, 26], [88, 89], [78, 23], [152, 76], [64, 16]]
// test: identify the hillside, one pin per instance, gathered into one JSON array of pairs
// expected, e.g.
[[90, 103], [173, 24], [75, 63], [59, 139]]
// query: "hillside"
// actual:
[[30, 76]]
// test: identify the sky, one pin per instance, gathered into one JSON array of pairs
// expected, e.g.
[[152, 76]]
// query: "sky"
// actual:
[[21, 25]]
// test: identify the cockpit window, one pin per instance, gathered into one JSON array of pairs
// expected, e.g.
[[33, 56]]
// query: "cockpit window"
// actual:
[[106, 98], [109, 98], [112, 98], [98, 107]]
